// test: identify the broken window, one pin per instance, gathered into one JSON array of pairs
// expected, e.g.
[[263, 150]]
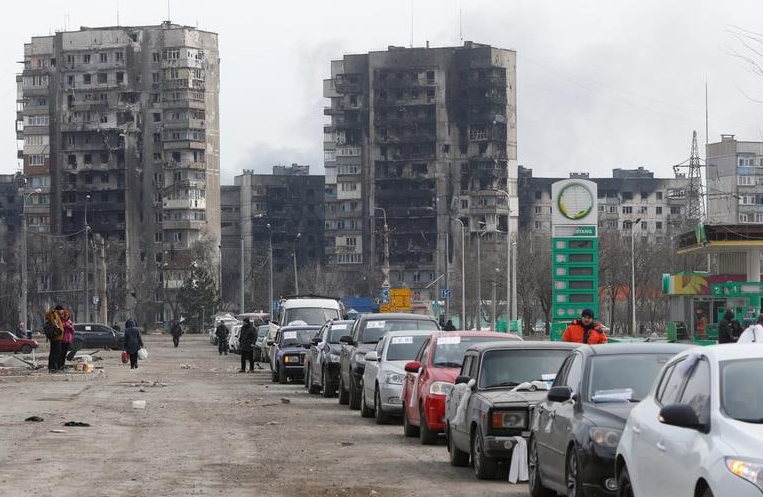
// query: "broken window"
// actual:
[[477, 133], [430, 94], [88, 159], [157, 117], [104, 157], [104, 57], [72, 160], [88, 179], [86, 59], [483, 148], [102, 78], [70, 79], [155, 57], [104, 118], [399, 94], [176, 156], [104, 196], [119, 56], [120, 77], [430, 77]]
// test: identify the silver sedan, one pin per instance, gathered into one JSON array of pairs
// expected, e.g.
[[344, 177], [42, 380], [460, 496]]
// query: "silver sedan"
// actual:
[[384, 373]]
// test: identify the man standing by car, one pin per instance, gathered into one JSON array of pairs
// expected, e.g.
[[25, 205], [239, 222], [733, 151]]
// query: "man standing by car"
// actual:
[[176, 331], [724, 329], [222, 338], [585, 330], [246, 340]]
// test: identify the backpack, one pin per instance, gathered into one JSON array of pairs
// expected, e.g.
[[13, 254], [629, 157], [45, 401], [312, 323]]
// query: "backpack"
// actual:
[[49, 330]]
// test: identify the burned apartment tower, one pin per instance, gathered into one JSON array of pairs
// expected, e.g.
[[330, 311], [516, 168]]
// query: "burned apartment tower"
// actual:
[[121, 132], [421, 135]]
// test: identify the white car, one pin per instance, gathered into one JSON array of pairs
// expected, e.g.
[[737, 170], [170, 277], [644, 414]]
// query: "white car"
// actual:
[[384, 373], [235, 331], [699, 432]]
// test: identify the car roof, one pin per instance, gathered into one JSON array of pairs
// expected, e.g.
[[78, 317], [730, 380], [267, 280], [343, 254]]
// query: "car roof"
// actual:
[[404, 333], [731, 351], [92, 324], [465, 333], [343, 321], [297, 328], [530, 344], [633, 348], [309, 302], [381, 316]]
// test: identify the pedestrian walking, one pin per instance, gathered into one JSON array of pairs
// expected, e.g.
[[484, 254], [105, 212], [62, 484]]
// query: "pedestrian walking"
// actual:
[[67, 338], [54, 332], [176, 332], [585, 330], [133, 342], [754, 333], [724, 328], [222, 334], [246, 340]]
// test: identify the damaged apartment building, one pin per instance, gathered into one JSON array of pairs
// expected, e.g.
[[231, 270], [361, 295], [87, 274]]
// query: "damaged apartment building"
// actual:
[[419, 136], [120, 133]]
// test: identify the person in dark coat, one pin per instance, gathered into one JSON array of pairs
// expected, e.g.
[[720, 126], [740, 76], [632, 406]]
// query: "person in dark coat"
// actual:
[[449, 326], [176, 331], [222, 338], [724, 329], [736, 330], [246, 339], [133, 342], [54, 332]]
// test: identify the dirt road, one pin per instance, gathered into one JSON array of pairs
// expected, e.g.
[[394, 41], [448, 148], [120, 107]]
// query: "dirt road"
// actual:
[[206, 430]]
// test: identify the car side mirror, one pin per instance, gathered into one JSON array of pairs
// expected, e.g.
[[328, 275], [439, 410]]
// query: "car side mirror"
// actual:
[[559, 394], [372, 356], [315, 341], [680, 415], [462, 379], [270, 342], [413, 366], [347, 339]]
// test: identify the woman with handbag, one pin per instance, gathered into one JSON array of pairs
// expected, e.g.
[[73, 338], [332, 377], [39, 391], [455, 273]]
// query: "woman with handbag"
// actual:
[[54, 332], [133, 342]]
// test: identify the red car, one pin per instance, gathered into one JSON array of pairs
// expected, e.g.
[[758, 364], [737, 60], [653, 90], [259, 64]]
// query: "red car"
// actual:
[[9, 343], [429, 378]]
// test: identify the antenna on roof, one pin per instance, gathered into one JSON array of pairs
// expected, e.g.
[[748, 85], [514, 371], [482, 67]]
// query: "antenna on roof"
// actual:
[[411, 23], [168, 12], [117, 13], [460, 25]]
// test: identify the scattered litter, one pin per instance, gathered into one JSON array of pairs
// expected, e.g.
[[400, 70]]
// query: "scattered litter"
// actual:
[[285, 401], [35, 419], [373, 492], [58, 431], [267, 405], [141, 390], [186, 366], [138, 404], [347, 444], [76, 423], [272, 423]]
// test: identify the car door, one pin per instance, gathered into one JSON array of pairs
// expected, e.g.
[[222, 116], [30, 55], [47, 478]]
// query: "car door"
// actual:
[[274, 351], [460, 431], [412, 385], [345, 355], [317, 353], [103, 336], [371, 372], [7, 342]]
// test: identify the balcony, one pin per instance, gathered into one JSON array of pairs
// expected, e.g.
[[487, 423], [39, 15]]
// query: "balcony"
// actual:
[[184, 144], [184, 203], [200, 166], [185, 224]]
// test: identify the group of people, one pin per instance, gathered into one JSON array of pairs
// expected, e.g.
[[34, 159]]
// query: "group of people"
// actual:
[[246, 340], [59, 330], [730, 330]]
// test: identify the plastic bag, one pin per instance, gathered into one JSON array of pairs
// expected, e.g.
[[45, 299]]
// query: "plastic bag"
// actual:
[[143, 354]]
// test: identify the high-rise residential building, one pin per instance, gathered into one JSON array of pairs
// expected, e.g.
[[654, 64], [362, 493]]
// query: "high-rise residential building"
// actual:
[[417, 136], [734, 181], [630, 195], [120, 127], [284, 209]]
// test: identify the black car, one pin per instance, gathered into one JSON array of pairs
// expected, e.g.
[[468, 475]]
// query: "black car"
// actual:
[[510, 378], [97, 335], [322, 362], [365, 334], [289, 350], [576, 430]]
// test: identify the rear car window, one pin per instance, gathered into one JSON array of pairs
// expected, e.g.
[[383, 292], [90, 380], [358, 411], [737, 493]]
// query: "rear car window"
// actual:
[[404, 348], [374, 329], [449, 351]]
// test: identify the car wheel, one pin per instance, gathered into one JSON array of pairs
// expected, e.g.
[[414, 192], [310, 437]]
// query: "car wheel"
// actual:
[[282, 378], [484, 466], [533, 468], [327, 390], [26, 349], [380, 416], [457, 456], [408, 429], [365, 411], [426, 436], [312, 389], [344, 395], [354, 394], [572, 475], [624, 487]]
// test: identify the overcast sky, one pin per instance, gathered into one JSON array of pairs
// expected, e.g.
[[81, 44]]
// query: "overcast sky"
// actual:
[[601, 84]]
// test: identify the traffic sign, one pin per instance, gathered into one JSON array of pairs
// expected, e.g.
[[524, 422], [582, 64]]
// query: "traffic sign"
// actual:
[[385, 295], [400, 299], [445, 293]]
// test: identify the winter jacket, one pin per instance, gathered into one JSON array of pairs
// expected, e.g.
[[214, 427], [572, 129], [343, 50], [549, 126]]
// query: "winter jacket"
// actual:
[[53, 321], [724, 329], [68, 335], [133, 340], [176, 330], [247, 337], [575, 332], [222, 331]]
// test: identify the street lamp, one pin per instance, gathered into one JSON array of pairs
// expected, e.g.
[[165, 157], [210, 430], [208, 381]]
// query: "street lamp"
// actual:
[[294, 256], [270, 259], [633, 277], [241, 278], [24, 283], [494, 322], [385, 267], [87, 262], [463, 271], [509, 314]]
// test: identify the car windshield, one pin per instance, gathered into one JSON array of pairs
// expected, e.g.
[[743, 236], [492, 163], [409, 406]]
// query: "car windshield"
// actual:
[[311, 315], [296, 337], [741, 390], [449, 351], [509, 368], [404, 348], [337, 332], [374, 329], [623, 377]]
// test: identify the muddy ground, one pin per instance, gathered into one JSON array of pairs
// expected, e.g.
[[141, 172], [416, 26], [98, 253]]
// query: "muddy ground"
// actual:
[[206, 430]]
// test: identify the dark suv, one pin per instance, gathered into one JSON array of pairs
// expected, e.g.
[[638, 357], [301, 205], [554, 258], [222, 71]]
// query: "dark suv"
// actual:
[[92, 335], [365, 334]]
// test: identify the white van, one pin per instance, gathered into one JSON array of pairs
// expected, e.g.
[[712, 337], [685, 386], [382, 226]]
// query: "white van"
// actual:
[[311, 310]]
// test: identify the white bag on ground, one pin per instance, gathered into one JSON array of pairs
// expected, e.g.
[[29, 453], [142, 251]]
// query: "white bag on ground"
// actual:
[[143, 354]]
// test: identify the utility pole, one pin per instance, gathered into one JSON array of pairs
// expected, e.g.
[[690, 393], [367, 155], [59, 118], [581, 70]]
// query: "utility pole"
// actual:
[[24, 283], [447, 270], [385, 233], [494, 321], [241, 273], [463, 273], [479, 284], [509, 294], [294, 254], [87, 262], [104, 298], [270, 259]]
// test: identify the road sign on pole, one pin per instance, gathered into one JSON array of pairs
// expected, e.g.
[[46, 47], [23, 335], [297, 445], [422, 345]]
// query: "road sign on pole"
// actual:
[[445, 293]]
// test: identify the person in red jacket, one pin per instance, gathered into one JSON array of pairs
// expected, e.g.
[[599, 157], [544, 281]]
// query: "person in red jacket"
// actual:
[[585, 330]]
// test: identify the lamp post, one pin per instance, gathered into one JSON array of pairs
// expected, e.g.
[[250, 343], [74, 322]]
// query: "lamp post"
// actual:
[[633, 277], [510, 308], [294, 256], [87, 262], [494, 322], [270, 259], [385, 232], [463, 272], [24, 283]]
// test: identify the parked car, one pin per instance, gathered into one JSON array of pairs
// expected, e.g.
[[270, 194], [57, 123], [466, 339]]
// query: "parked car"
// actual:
[[505, 380], [289, 351], [430, 377], [365, 334], [212, 336], [10, 343], [310, 309], [269, 338], [575, 431], [92, 335], [322, 361], [235, 331], [384, 373], [262, 333], [699, 432]]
